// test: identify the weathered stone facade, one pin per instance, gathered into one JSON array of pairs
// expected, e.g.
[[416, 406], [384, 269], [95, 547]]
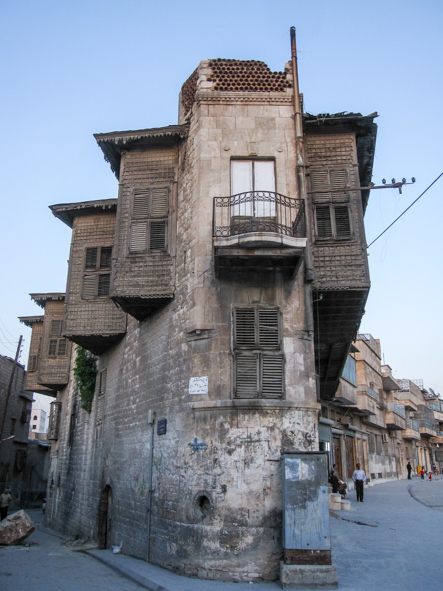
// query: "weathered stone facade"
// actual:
[[215, 377]]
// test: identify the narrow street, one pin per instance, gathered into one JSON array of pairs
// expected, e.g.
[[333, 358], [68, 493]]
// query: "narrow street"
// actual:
[[48, 564], [390, 541]]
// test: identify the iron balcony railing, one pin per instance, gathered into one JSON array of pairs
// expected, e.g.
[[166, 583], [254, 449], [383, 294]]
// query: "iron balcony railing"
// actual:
[[258, 211]]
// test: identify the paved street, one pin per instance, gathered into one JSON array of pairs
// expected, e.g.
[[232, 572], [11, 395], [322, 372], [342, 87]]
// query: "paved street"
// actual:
[[391, 541], [47, 565]]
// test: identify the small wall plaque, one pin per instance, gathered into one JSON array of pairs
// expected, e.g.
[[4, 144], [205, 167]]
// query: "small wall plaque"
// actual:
[[198, 385], [161, 426]]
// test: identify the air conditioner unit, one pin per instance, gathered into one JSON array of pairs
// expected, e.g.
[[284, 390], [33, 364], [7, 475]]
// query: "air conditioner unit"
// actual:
[[385, 437]]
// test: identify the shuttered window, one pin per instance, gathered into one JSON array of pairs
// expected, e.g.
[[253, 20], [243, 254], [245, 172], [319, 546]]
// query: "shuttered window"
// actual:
[[331, 203], [149, 220], [96, 281], [101, 396], [258, 359], [57, 347], [32, 363]]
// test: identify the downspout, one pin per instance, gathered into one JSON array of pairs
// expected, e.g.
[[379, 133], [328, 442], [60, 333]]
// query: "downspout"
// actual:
[[300, 166], [151, 421]]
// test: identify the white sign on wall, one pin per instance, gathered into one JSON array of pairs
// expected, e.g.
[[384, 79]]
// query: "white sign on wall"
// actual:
[[198, 385]]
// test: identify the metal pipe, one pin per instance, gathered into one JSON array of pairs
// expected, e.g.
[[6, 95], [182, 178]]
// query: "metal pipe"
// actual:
[[309, 267]]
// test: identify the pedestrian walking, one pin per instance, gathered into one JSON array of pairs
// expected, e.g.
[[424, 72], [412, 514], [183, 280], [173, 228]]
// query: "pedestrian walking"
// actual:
[[5, 500], [409, 469], [359, 478], [422, 473]]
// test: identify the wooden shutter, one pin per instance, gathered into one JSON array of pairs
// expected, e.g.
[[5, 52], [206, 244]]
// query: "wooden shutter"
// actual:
[[89, 286], [157, 235], [102, 386], [137, 241], [32, 364], [91, 258], [244, 327], [246, 375], [342, 221], [268, 333], [338, 180], [320, 182], [103, 285], [272, 376], [323, 219], [62, 347], [56, 328], [52, 350], [140, 207], [105, 257], [159, 202]]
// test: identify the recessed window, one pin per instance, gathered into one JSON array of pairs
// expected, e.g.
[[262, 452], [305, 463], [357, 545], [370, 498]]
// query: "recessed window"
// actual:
[[149, 220], [258, 359]]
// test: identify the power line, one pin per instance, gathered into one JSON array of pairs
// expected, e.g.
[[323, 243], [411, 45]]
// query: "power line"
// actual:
[[9, 332], [396, 220]]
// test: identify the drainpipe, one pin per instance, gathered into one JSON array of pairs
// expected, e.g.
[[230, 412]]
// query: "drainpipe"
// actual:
[[309, 267], [151, 421]]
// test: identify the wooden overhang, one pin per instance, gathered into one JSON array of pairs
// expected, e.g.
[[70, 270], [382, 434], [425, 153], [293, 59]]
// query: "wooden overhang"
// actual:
[[338, 312], [66, 212], [29, 321], [337, 316], [113, 143], [41, 298], [365, 133]]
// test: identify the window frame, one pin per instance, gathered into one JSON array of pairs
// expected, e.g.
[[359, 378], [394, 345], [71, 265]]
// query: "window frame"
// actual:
[[332, 206], [57, 345], [256, 350], [96, 269], [154, 211]]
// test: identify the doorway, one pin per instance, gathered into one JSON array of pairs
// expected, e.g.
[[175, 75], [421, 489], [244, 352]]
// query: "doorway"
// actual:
[[104, 518]]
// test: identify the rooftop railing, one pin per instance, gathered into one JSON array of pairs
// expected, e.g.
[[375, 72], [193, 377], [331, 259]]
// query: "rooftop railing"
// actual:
[[258, 211]]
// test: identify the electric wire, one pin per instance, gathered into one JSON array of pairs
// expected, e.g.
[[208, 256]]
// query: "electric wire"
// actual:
[[402, 214]]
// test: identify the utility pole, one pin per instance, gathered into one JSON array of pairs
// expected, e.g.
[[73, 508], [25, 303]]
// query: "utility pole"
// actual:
[[8, 393]]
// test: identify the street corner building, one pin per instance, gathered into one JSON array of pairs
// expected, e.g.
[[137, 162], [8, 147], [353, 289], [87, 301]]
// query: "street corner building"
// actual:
[[218, 294]]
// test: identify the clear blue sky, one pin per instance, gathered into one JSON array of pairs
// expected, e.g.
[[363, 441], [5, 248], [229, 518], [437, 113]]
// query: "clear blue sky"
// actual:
[[71, 69]]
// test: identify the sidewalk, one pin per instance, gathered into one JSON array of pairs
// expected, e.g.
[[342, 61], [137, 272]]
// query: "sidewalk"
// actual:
[[391, 541]]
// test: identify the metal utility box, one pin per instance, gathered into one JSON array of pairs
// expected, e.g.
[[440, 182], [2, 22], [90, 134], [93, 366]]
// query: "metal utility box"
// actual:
[[306, 534]]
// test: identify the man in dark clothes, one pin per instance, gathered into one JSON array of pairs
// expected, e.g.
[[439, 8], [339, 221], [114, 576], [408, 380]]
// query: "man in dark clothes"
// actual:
[[409, 469]]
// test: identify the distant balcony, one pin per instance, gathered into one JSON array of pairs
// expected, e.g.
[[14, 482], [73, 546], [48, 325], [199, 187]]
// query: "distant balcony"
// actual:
[[412, 430], [258, 231], [427, 427], [395, 416]]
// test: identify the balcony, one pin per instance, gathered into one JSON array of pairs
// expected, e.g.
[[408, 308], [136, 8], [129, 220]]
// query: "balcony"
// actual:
[[258, 231], [395, 416], [366, 401], [412, 430], [427, 428]]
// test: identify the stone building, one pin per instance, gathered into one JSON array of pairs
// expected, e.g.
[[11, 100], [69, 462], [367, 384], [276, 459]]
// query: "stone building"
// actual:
[[220, 293], [378, 421], [15, 413]]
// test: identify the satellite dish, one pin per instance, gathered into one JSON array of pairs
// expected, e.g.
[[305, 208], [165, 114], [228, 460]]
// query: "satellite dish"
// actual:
[[432, 392]]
